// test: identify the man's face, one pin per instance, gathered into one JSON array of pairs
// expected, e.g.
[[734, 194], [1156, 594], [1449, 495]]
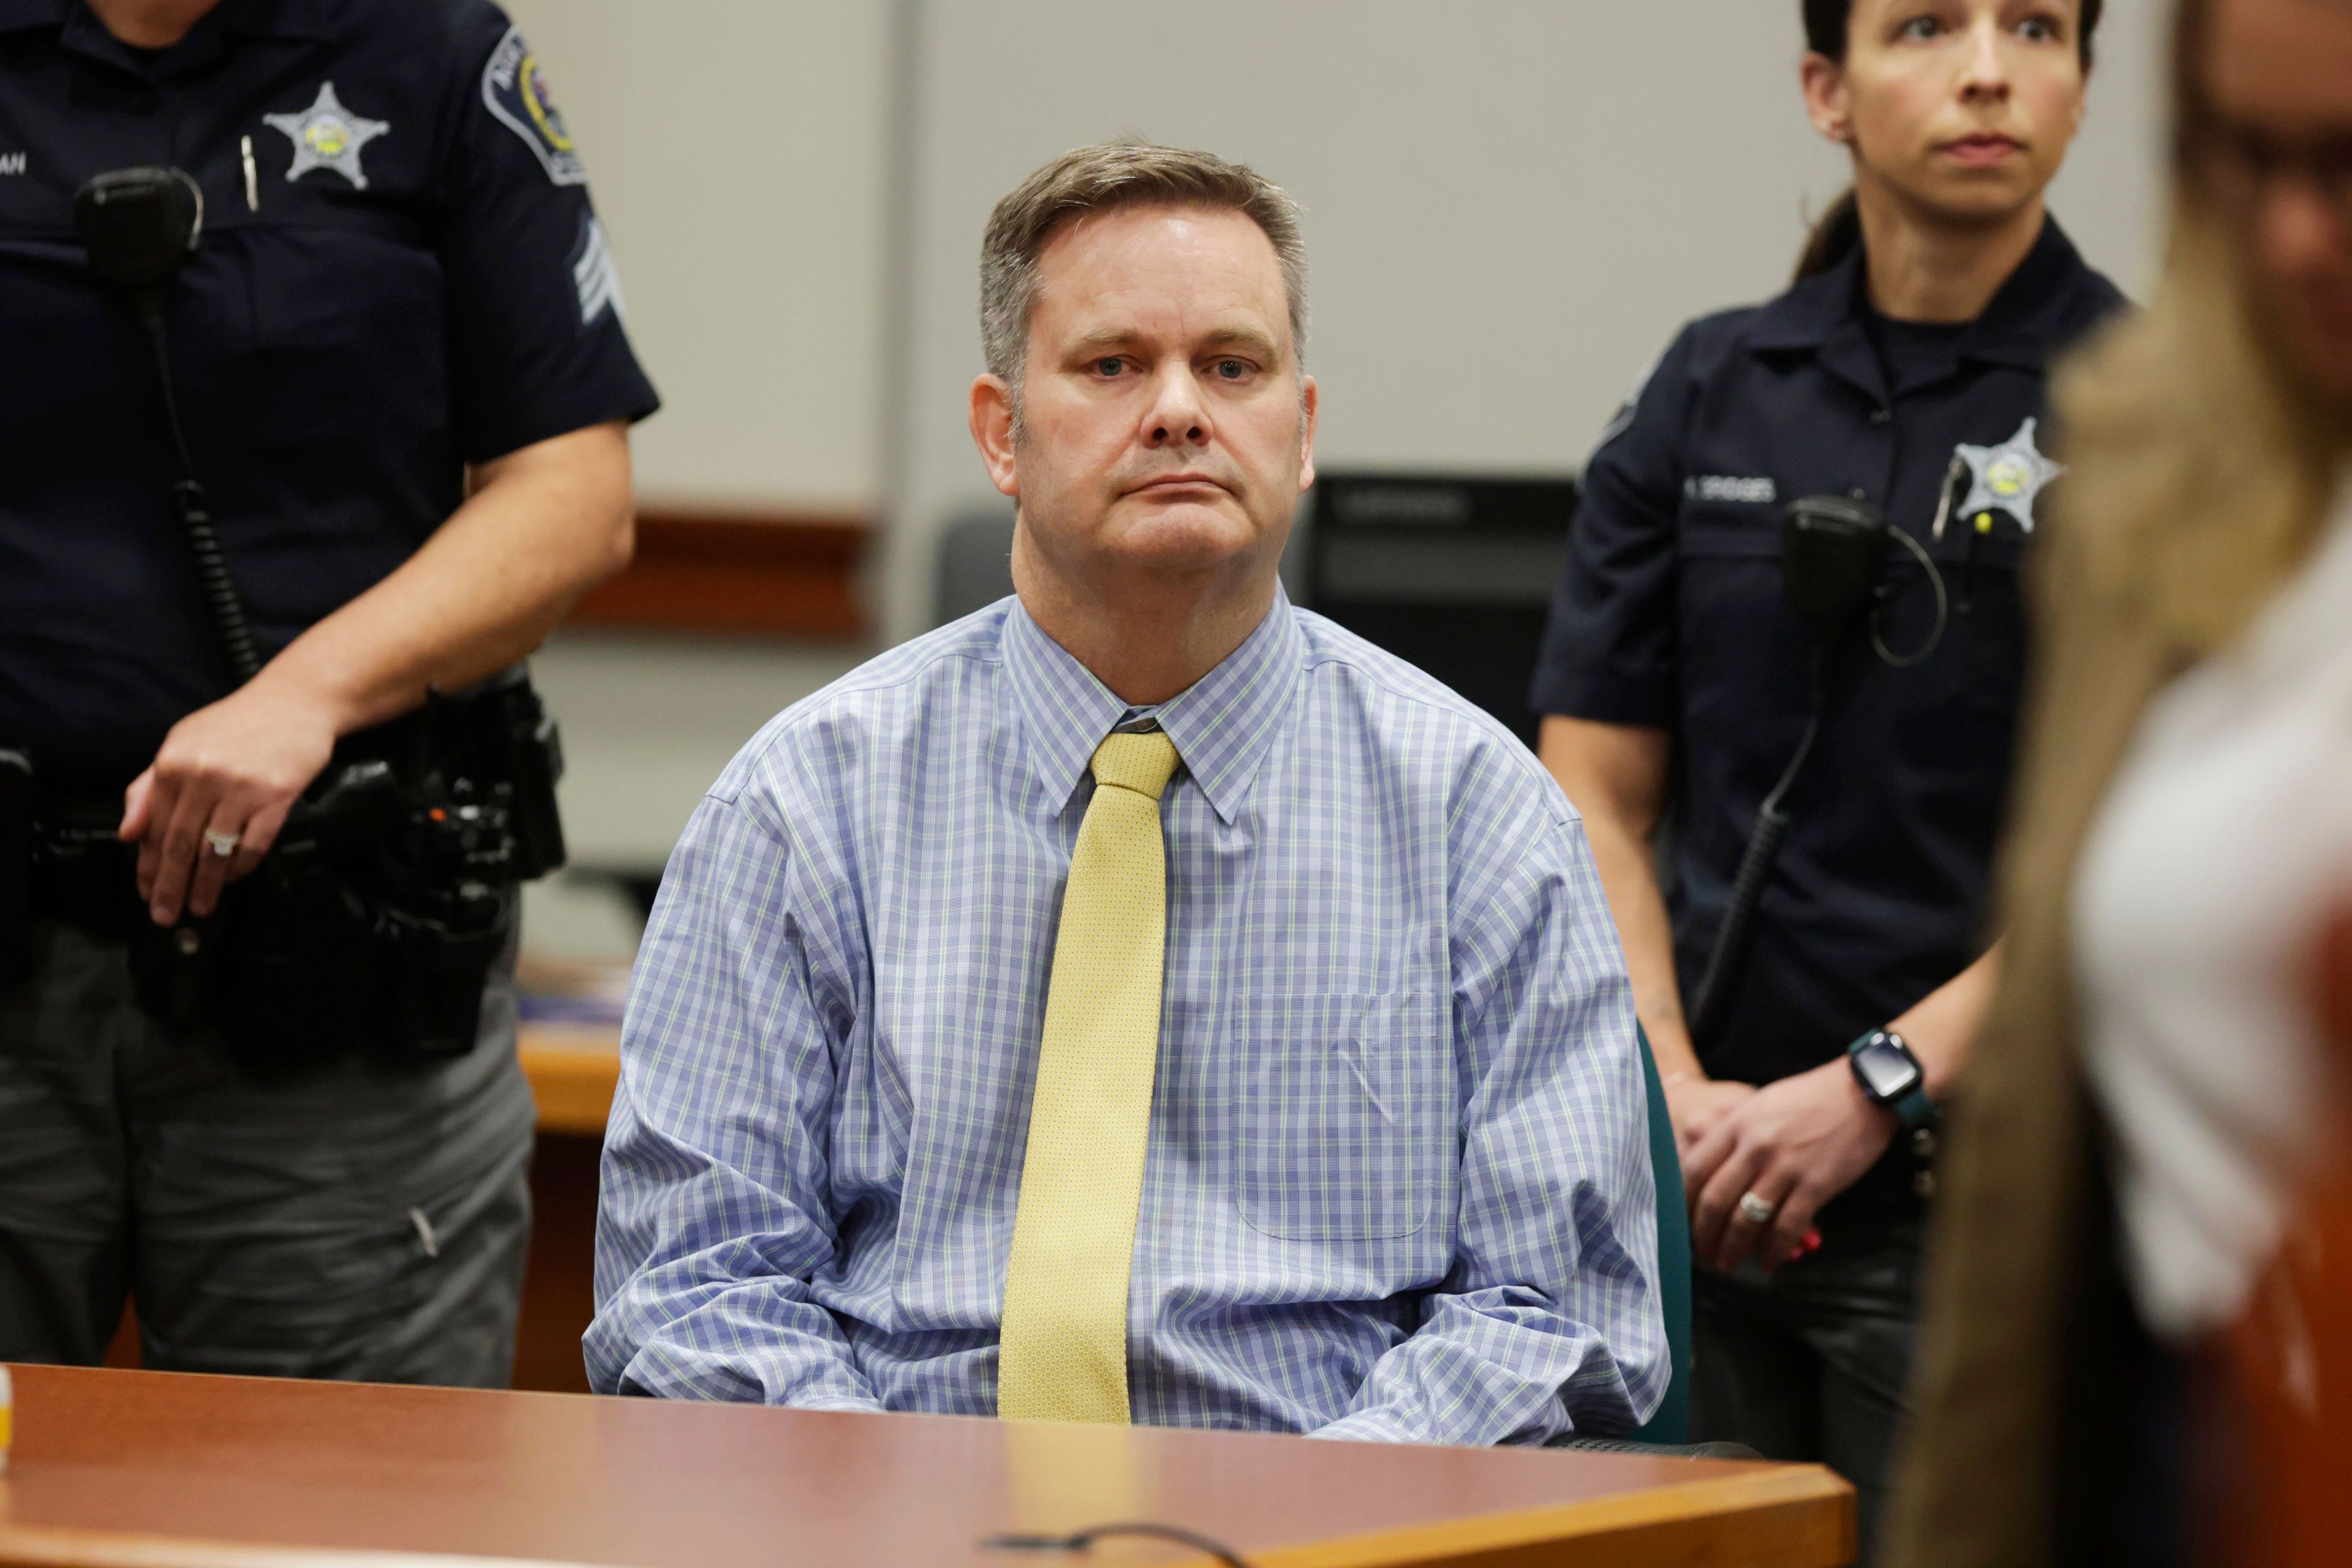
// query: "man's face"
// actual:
[[2279, 79], [1165, 429], [1965, 107]]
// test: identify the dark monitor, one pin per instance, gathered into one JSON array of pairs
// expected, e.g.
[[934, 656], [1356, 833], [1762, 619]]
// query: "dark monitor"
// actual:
[[1450, 572]]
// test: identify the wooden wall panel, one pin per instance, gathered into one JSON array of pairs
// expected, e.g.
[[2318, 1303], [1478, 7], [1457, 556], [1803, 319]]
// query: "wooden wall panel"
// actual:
[[791, 575]]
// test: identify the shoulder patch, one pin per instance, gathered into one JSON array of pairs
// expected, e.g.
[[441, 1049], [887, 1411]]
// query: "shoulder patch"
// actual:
[[514, 88], [593, 276]]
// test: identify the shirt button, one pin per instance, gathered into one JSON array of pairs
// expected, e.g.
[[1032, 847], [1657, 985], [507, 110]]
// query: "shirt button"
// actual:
[[1882, 415], [1924, 1184], [1858, 493]]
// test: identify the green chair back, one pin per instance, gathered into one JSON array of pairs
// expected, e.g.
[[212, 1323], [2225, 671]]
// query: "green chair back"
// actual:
[[1671, 1424]]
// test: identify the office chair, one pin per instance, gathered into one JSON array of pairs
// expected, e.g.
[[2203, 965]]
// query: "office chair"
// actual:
[[1667, 1433]]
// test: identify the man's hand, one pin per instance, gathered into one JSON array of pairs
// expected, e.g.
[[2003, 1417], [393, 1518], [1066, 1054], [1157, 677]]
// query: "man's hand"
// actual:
[[1698, 1103], [234, 768], [1796, 1144]]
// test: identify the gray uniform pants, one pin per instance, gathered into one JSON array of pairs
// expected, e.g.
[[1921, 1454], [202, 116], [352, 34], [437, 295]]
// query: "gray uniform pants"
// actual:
[[358, 1222]]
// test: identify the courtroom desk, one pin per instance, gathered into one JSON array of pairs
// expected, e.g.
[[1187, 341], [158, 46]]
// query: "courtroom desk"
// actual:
[[137, 1469], [572, 1070]]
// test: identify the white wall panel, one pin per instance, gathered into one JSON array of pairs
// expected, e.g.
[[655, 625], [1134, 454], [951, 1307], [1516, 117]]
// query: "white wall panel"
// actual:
[[737, 152], [1510, 204]]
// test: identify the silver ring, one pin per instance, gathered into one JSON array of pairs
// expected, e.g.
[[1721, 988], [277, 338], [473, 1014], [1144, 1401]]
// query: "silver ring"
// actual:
[[1755, 1209], [222, 844]]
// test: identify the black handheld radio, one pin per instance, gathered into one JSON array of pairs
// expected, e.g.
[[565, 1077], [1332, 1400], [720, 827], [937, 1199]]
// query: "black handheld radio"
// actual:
[[139, 227], [1833, 558]]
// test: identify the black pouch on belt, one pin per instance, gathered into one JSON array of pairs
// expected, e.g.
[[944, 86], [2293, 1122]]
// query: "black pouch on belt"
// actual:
[[450, 908], [302, 976], [444, 960], [306, 965]]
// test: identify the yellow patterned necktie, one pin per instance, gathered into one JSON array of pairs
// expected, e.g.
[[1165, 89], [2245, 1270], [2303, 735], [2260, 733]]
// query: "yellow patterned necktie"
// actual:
[[1064, 1353]]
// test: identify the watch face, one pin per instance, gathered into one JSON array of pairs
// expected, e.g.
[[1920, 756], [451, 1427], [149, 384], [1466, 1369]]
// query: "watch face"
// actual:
[[1889, 1071]]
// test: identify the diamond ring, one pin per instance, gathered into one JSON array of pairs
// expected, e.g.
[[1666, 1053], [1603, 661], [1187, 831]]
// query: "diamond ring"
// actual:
[[221, 844], [1755, 1209]]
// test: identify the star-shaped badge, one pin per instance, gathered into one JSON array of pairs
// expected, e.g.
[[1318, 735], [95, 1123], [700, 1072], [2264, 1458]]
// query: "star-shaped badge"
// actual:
[[2007, 478], [327, 136]]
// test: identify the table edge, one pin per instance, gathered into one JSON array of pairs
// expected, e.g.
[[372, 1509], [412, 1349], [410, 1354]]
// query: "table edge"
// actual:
[[61, 1546], [54, 1546], [1401, 1546]]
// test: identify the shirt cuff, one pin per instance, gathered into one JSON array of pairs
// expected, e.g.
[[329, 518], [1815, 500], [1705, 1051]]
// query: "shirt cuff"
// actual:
[[1373, 1425], [844, 1402]]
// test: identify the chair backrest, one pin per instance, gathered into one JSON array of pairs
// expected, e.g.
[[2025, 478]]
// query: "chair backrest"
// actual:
[[1671, 1424], [975, 563], [1452, 573]]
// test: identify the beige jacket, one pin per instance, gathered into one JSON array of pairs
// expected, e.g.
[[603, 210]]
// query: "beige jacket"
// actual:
[[2022, 1276]]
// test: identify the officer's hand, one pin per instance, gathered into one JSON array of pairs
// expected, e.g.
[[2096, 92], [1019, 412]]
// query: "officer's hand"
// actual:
[[1796, 1144], [235, 767], [1697, 1104]]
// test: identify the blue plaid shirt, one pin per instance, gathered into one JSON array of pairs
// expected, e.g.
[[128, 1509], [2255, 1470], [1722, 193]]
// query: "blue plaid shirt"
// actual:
[[1397, 1184]]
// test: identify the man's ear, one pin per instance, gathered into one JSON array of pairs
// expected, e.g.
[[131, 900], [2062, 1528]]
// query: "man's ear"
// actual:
[[1310, 402], [991, 431], [1826, 102]]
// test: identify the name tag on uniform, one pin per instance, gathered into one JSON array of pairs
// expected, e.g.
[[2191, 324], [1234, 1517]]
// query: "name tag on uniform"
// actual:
[[1731, 488]]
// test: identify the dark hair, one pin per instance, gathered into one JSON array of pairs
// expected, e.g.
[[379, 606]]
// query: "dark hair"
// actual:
[[1839, 232]]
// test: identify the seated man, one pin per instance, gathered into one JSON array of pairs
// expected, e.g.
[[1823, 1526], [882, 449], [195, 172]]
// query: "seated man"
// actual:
[[1140, 1000]]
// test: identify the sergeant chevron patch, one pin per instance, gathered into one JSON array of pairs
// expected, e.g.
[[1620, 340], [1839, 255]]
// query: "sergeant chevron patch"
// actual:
[[595, 277]]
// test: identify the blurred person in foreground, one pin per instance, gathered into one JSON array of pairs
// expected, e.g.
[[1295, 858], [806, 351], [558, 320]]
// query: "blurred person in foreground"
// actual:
[[1140, 1000], [2150, 1088], [1904, 368]]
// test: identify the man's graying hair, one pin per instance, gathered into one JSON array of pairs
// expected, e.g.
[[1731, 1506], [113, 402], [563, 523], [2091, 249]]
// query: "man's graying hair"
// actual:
[[1108, 177]]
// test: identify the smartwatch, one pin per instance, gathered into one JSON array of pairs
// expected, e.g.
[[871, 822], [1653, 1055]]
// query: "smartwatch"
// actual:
[[1892, 1076]]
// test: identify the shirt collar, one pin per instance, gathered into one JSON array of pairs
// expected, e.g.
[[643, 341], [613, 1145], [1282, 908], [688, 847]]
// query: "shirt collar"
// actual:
[[2019, 327], [1223, 725]]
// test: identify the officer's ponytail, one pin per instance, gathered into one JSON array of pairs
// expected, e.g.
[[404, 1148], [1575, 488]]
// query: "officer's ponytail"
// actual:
[[1839, 232], [1835, 237]]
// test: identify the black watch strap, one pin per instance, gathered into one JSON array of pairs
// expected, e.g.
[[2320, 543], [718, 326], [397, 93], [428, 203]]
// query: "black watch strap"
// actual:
[[1910, 1103]]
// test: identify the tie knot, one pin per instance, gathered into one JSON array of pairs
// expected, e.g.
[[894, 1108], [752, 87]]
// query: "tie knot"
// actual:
[[1143, 763]]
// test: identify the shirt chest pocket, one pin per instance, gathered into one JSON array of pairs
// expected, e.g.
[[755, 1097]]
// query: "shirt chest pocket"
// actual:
[[1344, 1114], [348, 333]]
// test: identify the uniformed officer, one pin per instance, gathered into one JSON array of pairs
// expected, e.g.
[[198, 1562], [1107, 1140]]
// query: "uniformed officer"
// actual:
[[403, 382], [1906, 368]]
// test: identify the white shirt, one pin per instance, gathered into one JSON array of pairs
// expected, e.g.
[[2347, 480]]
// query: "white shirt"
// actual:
[[2223, 845]]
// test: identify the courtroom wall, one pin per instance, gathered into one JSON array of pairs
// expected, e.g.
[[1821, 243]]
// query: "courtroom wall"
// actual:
[[1511, 203], [737, 152]]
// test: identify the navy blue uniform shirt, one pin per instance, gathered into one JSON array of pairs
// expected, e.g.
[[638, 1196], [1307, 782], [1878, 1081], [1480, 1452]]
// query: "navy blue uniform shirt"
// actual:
[[1671, 613], [409, 280]]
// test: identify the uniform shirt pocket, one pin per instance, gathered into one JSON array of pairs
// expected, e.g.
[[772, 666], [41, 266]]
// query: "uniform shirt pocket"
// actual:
[[1342, 1104], [1741, 530]]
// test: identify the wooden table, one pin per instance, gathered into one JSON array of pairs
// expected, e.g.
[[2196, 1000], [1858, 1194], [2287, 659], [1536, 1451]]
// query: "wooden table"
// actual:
[[136, 1469], [573, 1069]]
